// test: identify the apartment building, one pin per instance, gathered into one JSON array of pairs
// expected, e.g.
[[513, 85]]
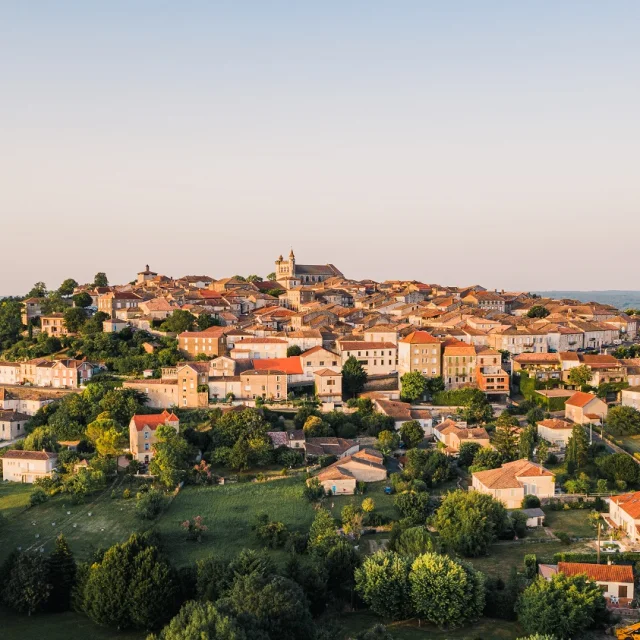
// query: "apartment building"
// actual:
[[420, 351], [211, 342], [377, 358]]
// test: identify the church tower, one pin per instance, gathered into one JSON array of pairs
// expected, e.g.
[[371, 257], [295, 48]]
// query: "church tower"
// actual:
[[292, 264]]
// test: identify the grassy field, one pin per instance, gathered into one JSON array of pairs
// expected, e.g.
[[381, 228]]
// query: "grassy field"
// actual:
[[375, 490], [573, 522], [228, 512], [111, 521], [61, 626], [485, 629]]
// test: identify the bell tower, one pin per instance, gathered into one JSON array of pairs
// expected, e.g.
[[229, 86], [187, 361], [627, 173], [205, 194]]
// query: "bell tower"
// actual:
[[292, 264]]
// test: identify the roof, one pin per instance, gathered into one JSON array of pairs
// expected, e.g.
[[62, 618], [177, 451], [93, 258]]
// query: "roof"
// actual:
[[555, 423], [629, 503], [506, 477], [10, 415], [598, 572], [395, 409], [537, 358], [325, 373], [536, 512], [362, 345], [290, 366], [30, 455], [581, 399], [153, 420], [420, 337]]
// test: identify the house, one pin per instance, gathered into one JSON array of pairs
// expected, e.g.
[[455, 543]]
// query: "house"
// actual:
[[338, 447], [624, 514], [53, 325], [458, 364], [402, 412], [420, 351], [257, 348], [454, 435], [631, 397], [318, 358], [377, 358], [142, 433], [28, 400], [114, 325], [12, 424], [114, 301], [32, 308], [211, 342], [535, 517], [328, 385], [10, 373], [291, 366], [555, 431], [490, 376], [268, 384], [515, 480], [585, 408], [616, 580], [292, 439], [145, 275], [28, 466], [342, 476]]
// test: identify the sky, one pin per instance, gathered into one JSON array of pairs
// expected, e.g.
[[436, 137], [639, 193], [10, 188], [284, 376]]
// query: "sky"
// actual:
[[475, 141]]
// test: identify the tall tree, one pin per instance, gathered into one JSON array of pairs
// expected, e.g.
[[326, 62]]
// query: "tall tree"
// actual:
[[27, 588], [170, 461], [100, 279], [411, 433], [10, 322], [387, 442], [354, 376], [199, 620], [74, 319], [577, 449], [67, 287], [505, 440], [82, 300], [39, 290], [413, 386], [61, 575], [623, 421], [180, 320], [527, 443]]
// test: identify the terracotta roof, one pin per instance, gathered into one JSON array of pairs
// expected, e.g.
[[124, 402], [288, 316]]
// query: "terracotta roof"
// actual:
[[316, 349], [395, 409], [506, 477], [537, 358], [153, 420], [30, 455], [290, 366], [420, 337], [263, 341], [361, 345], [581, 399], [327, 372], [555, 424], [598, 572]]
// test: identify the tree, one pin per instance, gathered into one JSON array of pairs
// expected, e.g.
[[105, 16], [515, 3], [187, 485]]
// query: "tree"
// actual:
[[315, 427], [354, 376], [527, 443], [254, 278], [82, 300], [39, 290], [479, 411], [10, 322], [619, 467], [505, 441], [61, 576], [411, 433], [271, 277], [206, 320], [414, 541], [542, 452], [388, 441], [100, 279], [180, 320], [26, 588], [322, 534], [564, 606], [293, 350], [467, 453], [486, 458], [413, 386], [74, 319], [538, 311], [201, 620], [535, 415], [445, 592], [352, 518], [368, 505], [383, 583], [468, 522], [577, 449], [413, 505], [313, 491], [41, 438], [579, 376], [171, 454], [623, 421], [67, 287]]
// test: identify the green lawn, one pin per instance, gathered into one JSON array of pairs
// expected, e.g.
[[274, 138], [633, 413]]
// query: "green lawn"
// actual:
[[375, 490], [228, 512], [61, 626], [485, 628], [503, 556], [111, 521], [574, 522]]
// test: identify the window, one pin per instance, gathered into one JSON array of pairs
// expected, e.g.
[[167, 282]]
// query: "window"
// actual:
[[146, 435], [146, 446]]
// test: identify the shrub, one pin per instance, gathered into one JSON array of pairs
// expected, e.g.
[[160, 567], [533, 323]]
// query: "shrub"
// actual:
[[530, 565], [563, 537], [38, 496], [150, 504], [126, 494], [530, 502]]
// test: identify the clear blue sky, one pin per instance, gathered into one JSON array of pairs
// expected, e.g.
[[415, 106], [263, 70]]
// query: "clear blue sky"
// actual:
[[452, 142]]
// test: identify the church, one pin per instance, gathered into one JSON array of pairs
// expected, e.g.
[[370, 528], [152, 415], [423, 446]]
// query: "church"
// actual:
[[291, 274]]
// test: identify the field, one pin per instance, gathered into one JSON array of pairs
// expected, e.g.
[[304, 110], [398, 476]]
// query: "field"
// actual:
[[485, 629], [574, 522], [110, 521]]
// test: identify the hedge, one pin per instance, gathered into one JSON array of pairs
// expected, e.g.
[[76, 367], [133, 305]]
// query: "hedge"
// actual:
[[626, 557]]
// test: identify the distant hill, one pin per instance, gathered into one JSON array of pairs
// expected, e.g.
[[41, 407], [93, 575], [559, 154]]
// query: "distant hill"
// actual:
[[619, 299]]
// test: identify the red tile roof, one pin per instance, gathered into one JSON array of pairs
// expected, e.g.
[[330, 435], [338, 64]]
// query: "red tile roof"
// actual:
[[581, 399], [598, 572], [629, 503], [154, 420], [420, 337], [290, 366]]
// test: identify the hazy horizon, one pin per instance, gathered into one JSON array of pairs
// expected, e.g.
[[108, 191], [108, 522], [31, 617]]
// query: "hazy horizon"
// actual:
[[454, 143]]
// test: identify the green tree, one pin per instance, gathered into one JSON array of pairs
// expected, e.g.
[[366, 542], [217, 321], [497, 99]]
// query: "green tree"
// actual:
[[354, 376], [542, 452], [26, 587], [486, 458], [82, 300], [41, 438], [479, 411], [206, 320], [322, 534], [527, 443], [469, 522], [10, 322], [271, 277], [414, 506], [538, 311], [619, 467], [383, 583], [293, 350], [413, 542], [39, 290], [200, 620], [171, 456], [577, 449], [505, 440], [315, 427], [623, 421], [74, 319], [388, 441], [564, 606], [580, 376], [467, 453], [100, 279], [180, 320], [445, 592], [411, 433], [61, 576], [67, 287], [377, 632], [413, 386]]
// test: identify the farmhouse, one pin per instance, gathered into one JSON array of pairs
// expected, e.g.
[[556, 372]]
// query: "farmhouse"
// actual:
[[513, 481], [28, 466], [341, 477]]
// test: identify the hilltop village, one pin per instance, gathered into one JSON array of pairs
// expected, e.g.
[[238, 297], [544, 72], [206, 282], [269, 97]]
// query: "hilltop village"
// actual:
[[361, 448]]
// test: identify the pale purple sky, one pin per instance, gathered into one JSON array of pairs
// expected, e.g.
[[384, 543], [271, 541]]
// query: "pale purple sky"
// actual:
[[479, 141]]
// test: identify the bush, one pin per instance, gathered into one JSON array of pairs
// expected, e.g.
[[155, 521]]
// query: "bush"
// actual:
[[563, 537], [530, 502], [530, 566], [270, 533], [150, 504], [126, 494], [38, 496], [313, 491]]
